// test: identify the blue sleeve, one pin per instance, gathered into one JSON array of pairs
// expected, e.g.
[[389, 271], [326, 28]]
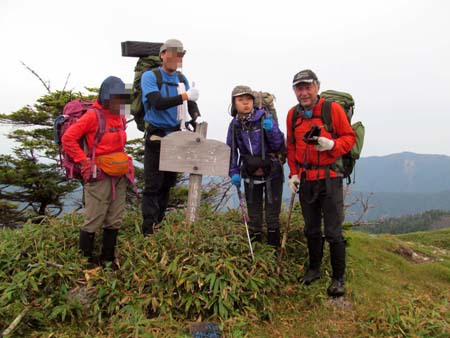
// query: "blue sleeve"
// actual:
[[234, 168], [275, 137], [148, 83]]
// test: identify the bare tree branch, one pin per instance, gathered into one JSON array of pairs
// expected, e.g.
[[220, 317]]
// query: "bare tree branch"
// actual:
[[46, 85], [65, 84]]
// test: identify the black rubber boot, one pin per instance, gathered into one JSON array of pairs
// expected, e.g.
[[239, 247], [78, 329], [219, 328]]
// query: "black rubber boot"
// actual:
[[315, 252], [87, 248], [337, 257], [147, 229], [256, 237], [336, 288], [109, 246], [273, 238]]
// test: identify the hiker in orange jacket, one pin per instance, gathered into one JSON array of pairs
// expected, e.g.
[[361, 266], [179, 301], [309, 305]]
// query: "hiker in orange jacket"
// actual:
[[104, 167], [311, 153]]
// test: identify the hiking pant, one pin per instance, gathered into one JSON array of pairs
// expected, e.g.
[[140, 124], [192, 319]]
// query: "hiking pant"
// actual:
[[100, 207], [255, 205], [331, 206], [157, 186]]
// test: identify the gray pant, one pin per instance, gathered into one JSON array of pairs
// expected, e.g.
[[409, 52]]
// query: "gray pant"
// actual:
[[100, 208]]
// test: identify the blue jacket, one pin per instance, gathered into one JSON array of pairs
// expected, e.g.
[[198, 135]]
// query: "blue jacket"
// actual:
[[248, 140]]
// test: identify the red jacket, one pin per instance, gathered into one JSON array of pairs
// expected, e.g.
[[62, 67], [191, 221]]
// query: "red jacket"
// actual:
[[302, 153], [113, 139]]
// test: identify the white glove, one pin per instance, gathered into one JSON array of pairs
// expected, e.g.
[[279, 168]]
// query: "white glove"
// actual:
[[199, 119], [293, 183], [324, 144], [192, 94]]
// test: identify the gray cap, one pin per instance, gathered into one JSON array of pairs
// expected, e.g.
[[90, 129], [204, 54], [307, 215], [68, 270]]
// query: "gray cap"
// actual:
[[172, 44], [242, 90], [306, 76]]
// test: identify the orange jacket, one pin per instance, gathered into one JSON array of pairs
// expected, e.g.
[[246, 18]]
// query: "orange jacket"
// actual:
[[299, 153], [113, 139]]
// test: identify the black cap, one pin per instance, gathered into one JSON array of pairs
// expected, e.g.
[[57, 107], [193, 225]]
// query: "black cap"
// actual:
[[306, 76]]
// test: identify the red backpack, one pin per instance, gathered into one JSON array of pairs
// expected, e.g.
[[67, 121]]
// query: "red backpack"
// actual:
[[73, 110]]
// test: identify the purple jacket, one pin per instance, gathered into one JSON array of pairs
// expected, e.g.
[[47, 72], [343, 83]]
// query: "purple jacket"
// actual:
[[248, 139]]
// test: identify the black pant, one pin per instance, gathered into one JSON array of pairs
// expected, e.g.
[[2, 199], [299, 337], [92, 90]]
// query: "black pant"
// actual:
[[330, 205], [157, 186], [315, 202], [255, 205]]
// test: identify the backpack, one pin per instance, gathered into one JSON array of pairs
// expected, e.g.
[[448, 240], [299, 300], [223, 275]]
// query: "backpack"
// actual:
[[346, 163], [72, 111], [144, 64], [265, 100]]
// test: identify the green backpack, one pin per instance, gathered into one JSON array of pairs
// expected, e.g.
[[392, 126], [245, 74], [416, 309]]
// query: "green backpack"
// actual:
[[144, 64], [346, 163]]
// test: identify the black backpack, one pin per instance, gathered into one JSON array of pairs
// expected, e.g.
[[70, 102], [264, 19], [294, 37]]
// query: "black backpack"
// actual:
[[144, 64]]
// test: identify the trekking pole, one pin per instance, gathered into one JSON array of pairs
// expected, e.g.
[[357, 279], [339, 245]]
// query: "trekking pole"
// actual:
[[284, 240], [244, 217]]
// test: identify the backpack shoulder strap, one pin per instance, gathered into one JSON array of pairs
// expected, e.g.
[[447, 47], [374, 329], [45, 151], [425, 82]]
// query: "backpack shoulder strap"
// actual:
[[326, 116], [158, 76], [101, 129], [263, 146], [182, 78], [295, 115]]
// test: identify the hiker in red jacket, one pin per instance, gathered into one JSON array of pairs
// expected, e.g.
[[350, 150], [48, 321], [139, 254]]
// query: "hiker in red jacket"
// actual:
[[311, 153], [104, 167]]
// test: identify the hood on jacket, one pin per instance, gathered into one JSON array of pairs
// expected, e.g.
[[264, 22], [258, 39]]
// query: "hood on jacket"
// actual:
[[112, 85]]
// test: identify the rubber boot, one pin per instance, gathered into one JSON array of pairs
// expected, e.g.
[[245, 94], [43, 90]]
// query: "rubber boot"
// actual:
[[256, 237], [109, 246], [273, 237], [315, 252], [337, 257], [87, 248], [147, 229]]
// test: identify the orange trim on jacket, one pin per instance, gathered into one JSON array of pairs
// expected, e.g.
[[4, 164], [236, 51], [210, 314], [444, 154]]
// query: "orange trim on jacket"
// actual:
[[112, 141], [302, 153]]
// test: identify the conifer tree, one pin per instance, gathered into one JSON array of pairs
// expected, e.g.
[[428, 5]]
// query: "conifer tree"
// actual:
[[31, 176]]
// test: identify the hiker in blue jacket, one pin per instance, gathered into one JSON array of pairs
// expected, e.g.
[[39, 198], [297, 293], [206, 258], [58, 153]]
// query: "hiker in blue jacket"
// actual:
[[162, 107], [254, 138]]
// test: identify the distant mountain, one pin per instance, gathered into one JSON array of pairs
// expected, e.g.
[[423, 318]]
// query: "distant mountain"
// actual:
[[403, 172], [398, 184], [395, 204]]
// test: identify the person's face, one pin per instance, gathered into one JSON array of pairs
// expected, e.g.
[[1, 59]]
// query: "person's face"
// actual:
[[116, 104], [172, 59], [306, 94], [243, 104]]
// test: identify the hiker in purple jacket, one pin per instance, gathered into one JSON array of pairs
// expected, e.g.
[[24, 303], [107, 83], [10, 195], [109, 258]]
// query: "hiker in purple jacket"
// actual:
[[254, 138]]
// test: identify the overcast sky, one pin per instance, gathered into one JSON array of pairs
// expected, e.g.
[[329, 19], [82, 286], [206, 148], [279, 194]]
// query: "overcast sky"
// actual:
[[393, 56]]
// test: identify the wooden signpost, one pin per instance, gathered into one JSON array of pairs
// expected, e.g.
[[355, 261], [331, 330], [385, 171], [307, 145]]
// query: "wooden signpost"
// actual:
[[185, 151]]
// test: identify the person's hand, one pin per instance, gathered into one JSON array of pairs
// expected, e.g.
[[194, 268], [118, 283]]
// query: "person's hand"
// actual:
[[293, 183], [198, 119], [324, 143], [86, 169], [236, 180], [192, 93], [268, 123]]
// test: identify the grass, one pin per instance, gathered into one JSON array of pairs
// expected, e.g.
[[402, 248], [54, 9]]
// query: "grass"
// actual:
[[388, 295]]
